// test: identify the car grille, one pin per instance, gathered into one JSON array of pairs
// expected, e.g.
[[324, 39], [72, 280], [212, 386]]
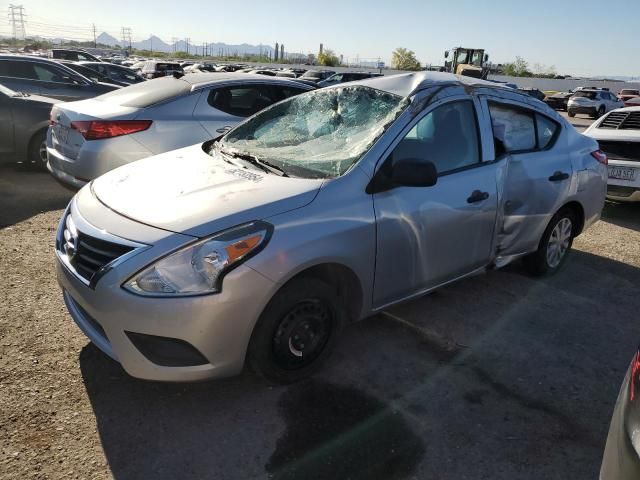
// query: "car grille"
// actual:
[[629, 151], [622, 121], [87, 254]]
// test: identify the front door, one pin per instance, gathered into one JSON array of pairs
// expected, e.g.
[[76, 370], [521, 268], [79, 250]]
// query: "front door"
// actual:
[[427, 236]]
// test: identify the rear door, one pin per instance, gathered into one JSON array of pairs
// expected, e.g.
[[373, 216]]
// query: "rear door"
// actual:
[[538, 173], [6, 125]]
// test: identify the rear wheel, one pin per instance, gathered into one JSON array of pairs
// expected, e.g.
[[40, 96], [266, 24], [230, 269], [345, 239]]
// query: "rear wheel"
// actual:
[[38, 151], [571, 114], [297, 331], [554, 245], [601, 111]]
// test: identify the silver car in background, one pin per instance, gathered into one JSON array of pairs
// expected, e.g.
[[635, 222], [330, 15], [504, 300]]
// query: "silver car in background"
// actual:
[[318, 211], [618, 134], [91, 137]]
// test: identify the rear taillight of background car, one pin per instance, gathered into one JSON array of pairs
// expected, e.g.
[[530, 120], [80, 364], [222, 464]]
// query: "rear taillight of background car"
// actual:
[[601, 157], [101, 129], [634, 389]]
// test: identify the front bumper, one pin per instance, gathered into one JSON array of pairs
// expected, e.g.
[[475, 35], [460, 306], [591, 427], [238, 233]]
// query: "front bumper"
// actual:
[[217, 326]]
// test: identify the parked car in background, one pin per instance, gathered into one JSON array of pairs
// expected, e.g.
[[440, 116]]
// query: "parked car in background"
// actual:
[[24, 119], [621, 459], [261, 246], [592, 102], [286, 74], [116, 74], [41, 76], [263, 71], [559, 100], [91, 137], [628, 93], [343, 77], [137, 67], [618, 134], [316, 75], [73, 55], [157, 69], [201, 67], [87, 72], [533, 92]]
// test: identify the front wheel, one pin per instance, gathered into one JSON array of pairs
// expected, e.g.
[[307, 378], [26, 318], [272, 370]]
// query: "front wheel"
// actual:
[[297, 331], [571, 114], [554, 245], [601, 111]]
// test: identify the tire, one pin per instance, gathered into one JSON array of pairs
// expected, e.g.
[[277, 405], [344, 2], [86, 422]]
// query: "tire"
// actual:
[[37, 154], [558, 238], [305, 310], [601, 111], [571, 114]]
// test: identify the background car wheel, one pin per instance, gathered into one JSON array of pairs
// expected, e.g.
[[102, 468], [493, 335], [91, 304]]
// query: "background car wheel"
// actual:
[[601, 111], [554, 245], [571, 114], [38, 151], [296, 331]]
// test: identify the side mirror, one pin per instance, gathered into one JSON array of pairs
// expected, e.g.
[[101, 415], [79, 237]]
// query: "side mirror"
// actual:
[[414, 172], [486, 57], [446, 54]]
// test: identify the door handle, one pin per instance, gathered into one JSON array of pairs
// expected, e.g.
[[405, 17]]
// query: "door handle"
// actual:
[[558, 176], [477, 196], [224, 129]]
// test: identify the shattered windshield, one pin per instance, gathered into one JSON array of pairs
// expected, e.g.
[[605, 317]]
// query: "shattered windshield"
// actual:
[[320, 134]]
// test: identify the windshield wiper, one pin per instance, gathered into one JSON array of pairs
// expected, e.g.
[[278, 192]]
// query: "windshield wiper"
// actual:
[[261, 164]]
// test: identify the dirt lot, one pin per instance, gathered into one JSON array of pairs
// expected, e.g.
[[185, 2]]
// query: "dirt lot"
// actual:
[[500, 377]]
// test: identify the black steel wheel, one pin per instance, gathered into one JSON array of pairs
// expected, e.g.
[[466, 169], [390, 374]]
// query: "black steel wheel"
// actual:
[[297, 331]]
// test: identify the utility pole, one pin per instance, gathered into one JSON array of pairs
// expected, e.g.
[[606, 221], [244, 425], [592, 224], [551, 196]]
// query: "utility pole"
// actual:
[[95, 44], [174, 42], [187, 41], [16, 14], [126, 37], [151, 41]]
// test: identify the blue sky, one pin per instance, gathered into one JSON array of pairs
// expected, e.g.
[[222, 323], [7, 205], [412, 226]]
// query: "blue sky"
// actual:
[[578, 37]]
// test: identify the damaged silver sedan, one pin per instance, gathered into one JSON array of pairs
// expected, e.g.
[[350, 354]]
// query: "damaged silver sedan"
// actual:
[[258, 247]]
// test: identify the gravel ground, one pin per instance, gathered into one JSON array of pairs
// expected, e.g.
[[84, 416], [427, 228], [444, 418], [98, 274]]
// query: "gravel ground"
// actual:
[[497, 376]]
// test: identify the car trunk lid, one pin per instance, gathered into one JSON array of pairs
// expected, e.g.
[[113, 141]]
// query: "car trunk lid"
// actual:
[[67, 140]]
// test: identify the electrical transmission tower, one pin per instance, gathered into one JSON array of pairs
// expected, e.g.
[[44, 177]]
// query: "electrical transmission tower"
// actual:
[[126, 38], [16, 15]]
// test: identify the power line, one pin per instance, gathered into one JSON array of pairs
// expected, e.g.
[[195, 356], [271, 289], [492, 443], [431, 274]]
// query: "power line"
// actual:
[[126, 37]]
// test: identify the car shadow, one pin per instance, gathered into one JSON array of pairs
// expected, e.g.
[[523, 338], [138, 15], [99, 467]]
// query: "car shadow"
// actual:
[[25, 192], [625, 215], [402, 406]]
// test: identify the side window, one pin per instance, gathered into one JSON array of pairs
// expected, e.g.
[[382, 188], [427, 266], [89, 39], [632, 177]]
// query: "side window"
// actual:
[[47, 73], [286, 92], [241, 101], [513, 129], [446, 136], [17, 69], [546, 129]]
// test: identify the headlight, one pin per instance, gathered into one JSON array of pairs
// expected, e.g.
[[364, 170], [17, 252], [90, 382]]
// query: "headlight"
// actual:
[[198, 269]]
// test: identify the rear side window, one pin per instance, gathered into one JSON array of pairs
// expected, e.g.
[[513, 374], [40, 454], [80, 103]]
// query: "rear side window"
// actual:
[[242, 101], [546, 131], [17, 69], [589, 95], [517, 129]]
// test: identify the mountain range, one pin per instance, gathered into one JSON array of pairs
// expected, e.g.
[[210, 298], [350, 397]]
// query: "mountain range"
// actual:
[[217, 48]]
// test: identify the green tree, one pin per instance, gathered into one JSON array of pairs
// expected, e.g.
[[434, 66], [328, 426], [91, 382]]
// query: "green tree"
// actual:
[[328, 58], [519, 68], [404, 59]]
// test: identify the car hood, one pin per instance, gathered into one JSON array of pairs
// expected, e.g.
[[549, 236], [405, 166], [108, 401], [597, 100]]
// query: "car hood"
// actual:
[[189, 191]]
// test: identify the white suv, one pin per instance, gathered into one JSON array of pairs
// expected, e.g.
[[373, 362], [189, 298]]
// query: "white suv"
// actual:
[[593, 102]]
